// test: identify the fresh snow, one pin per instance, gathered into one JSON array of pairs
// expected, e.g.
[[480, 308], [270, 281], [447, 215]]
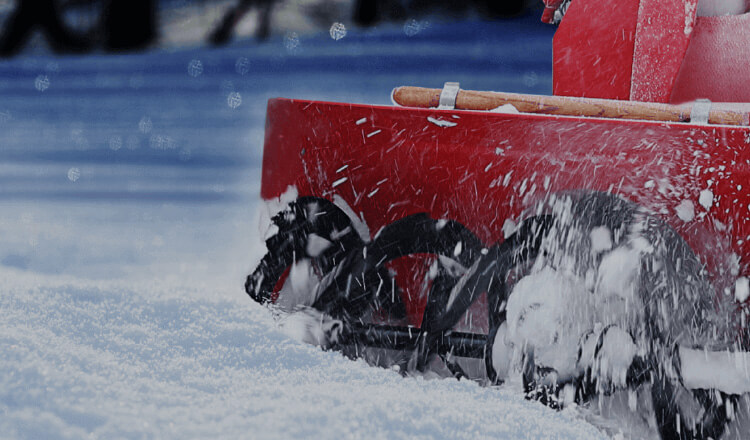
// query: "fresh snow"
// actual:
[[104, 359], [128, 222]]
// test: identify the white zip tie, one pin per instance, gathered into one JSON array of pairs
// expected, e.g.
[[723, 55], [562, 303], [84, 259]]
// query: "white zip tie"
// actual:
[[448, 96], [700, 111]]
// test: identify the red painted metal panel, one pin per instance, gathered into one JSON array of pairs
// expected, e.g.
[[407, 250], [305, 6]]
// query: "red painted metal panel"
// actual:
[[651, 50], [593, 49], [717, 62], [488, 168], [662, 37]]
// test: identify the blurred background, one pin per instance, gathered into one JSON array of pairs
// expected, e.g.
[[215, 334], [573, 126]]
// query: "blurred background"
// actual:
[[82, 26], [131, 131]]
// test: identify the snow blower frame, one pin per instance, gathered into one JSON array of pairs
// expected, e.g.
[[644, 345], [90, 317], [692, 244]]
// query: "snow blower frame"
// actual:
[[412, 219]]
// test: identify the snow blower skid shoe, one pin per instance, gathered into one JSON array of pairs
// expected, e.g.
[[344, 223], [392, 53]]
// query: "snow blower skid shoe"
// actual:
[[594, 244]]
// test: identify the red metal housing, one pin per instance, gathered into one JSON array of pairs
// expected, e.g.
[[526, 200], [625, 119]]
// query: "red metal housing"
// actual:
[[484, 171]]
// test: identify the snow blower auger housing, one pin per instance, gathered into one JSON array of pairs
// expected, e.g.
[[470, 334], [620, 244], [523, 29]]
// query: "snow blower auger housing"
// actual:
[[554, 235]]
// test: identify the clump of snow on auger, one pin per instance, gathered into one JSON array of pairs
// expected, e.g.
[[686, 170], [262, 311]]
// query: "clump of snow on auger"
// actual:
[[583, 284], [610, 362], [616, 292], [538, 314], [601, 239], [312, 326], [264, 227], [300, 287]]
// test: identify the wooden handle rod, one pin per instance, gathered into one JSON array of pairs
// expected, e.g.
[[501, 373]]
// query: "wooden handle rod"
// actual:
[[566, 106]]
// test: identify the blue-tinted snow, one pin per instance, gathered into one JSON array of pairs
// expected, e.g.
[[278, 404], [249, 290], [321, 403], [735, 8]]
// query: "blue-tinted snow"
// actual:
[[147, 360], [128, 186]]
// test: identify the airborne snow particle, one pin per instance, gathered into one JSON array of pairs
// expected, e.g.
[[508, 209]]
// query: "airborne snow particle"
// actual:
[[530, 79], [361, 121], [74, 174], [242, 66], [115, 143], [742, 289], [339, 182], [195, 68], [706, 199], [41, 83], [413, 27], [506, 180], [337, 31], [234, 100], [685, 210], [145, 125], [458, 249], [291, 41], [509, 228], [159, 142]]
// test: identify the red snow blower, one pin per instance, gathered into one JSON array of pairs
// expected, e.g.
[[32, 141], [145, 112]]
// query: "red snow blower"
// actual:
[[418, 229]]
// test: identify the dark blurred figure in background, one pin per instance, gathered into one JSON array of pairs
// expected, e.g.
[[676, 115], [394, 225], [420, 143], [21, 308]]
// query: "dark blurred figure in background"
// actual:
[[123, 25], [501, 8], [223, 32], [365, 13], [369, 12], [46, 15], [128, 24]]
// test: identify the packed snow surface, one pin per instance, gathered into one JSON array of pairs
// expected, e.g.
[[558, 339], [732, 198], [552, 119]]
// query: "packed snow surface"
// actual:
[[129, 187]]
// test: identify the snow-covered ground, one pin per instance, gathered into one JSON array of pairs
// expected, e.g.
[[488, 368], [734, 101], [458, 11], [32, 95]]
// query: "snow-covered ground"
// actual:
[[128, 188], [145, 358]]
